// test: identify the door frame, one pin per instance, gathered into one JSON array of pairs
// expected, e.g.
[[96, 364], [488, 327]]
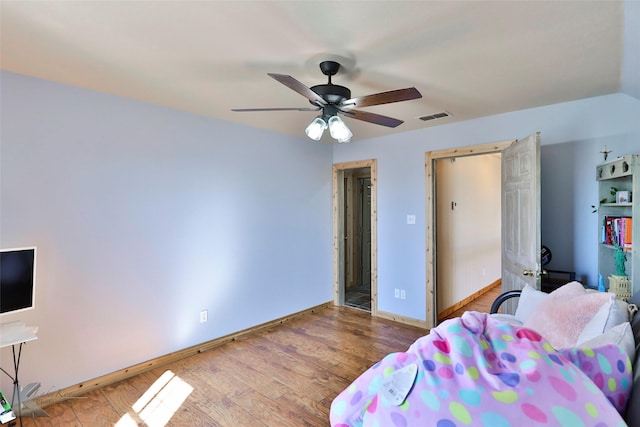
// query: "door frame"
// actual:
[[430, 159], [338, 232]]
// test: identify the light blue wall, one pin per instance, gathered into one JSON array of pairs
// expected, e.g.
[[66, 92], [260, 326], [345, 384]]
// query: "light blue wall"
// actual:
[[572, 135], [143, 216]]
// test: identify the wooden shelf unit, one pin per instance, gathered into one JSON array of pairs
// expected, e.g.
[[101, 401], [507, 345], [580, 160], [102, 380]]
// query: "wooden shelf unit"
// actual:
[[623, 174]]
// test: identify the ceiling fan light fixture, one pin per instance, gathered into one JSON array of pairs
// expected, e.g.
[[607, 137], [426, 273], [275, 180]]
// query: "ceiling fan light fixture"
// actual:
[[316, 128], [334, 99], [339, 130]]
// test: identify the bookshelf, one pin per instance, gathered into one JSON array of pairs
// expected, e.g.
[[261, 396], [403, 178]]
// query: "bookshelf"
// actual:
[[619, 219]]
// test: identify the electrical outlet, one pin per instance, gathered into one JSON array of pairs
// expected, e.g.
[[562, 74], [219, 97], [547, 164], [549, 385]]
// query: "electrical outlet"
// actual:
[[411, 219], [204, 316], [403, 294], [396, 293]]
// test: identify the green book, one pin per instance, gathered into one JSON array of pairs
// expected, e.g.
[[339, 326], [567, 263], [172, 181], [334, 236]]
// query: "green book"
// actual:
[[6, 414]]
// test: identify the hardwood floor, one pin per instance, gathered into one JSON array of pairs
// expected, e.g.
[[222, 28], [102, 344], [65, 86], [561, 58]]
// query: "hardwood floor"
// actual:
[[482, 303], [285, 376]]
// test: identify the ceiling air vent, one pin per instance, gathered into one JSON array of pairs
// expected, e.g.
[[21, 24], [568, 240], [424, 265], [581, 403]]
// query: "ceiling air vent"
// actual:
[[435, 116]]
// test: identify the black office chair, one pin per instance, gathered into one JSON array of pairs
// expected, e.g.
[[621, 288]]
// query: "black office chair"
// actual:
[[502, 298]]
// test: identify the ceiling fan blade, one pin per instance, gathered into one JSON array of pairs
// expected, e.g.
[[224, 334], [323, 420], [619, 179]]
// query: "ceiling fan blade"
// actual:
[[295, 85], [373, 118], [383, 98], [244, 110]]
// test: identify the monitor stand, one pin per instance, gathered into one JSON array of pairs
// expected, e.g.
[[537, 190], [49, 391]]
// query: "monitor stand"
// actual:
[[16, 334]]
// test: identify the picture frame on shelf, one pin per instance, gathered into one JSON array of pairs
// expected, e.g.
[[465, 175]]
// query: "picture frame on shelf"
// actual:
[[622, 197]]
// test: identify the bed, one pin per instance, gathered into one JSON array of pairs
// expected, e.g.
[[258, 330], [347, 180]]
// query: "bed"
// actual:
[[566, 358]]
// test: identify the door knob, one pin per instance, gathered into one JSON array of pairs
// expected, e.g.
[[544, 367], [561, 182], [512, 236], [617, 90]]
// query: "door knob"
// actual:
[[533, 273]]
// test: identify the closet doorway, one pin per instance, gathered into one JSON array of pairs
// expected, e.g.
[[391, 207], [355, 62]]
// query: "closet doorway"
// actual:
[[354, 235], [468, 229], [520, 215], [462, 246]]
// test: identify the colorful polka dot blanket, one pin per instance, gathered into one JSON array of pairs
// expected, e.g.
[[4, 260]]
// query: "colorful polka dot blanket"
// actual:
[[477, 371]]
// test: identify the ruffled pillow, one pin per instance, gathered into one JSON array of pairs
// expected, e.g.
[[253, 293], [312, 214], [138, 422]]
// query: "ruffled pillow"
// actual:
[[563, 315]]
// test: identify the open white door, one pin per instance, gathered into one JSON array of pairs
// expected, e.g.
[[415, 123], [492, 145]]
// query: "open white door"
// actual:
[[521, 216]]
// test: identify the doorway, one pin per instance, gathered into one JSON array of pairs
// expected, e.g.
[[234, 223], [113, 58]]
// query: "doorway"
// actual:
[[434, 262], [354, 235], [520, 217], [468, 232]]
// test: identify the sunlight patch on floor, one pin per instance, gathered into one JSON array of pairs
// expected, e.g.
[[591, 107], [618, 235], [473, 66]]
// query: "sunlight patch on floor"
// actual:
[[158, 404]]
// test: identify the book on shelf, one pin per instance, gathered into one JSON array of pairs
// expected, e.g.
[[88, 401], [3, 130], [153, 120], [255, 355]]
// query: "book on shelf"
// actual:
[[617, 230]]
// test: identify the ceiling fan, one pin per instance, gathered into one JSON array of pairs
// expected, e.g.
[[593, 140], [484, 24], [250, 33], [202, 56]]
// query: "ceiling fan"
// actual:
[[334, 99]]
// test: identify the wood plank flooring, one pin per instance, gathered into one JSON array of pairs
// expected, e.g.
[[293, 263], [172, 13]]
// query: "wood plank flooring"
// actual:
[[481, 304], [284, 376]]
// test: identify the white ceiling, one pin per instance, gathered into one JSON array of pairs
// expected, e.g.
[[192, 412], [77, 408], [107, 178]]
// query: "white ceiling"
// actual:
[[470, 58]]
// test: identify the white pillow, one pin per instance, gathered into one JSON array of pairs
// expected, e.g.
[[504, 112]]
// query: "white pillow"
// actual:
[[528, 301], [619, 314], [621, 335], [507, 318], [611, 314]]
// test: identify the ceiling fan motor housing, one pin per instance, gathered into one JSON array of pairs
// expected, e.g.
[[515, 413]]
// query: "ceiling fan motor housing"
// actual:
[[333, 94]]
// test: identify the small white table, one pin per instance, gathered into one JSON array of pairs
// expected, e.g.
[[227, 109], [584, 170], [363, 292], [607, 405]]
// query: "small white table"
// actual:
[[16, 334]]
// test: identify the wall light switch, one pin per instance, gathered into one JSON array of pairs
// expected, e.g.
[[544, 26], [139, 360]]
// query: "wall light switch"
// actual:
[[204, 316], [411, 219]]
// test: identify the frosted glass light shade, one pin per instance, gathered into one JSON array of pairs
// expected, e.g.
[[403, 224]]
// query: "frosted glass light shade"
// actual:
[[315, 129], [339, 129]]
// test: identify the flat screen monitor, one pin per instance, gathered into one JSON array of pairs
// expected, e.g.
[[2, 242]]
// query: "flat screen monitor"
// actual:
[[17, 279]]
